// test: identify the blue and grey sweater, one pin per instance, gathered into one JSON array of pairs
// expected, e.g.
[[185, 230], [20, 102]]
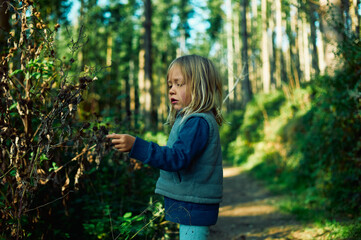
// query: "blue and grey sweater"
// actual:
[[191, 169]]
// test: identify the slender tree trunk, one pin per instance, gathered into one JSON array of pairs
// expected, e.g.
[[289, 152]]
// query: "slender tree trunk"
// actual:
[[265, 58], [255, 71], [246, 86], [358, 27], [80, 28], [132, 99], [331, 13], [300, 45], [294, 49], [354, 15], [230, 57], [278, 48], [313, 19], [306, 55], [141, 82], [272, 50], [150, 105], [237, 50], [141, 78]]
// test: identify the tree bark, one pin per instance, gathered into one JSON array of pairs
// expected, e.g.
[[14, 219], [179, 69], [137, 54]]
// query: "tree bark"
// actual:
[[331, 14], [230, 57], [278, 48], [265, 58], [149, 99], [246, 86], [305, 47], [313, 19], [237, 50]]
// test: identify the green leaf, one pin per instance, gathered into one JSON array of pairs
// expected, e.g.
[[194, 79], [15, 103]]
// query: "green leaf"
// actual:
[[16, 72], [13, 106], [127, 215], [54, 168], [13, 172]]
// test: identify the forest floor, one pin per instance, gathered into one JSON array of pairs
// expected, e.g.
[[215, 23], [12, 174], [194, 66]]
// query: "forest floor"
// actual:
[[248, 211]]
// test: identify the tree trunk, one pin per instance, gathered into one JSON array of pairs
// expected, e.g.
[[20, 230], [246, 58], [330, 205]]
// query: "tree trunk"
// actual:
[[80, 28], [150, 105], [300, 45], [237, 50], [246, 86], [358, 27], [132, 93], [313, 19], [272, 51], [294, 47], [306, 55], [278, 48], [255, 72], [265, 58], [354, 15], [331, 13], [230, 50]]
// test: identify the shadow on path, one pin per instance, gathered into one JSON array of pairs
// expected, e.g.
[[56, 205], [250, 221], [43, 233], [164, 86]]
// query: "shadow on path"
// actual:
[[247, 213]]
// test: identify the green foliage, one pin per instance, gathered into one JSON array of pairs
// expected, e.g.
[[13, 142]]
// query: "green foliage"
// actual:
[[306, 143], [246, 127], [58, 180], [119, 208]]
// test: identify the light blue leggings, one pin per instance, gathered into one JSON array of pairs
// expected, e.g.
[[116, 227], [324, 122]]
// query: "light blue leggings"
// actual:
[[187, 232]]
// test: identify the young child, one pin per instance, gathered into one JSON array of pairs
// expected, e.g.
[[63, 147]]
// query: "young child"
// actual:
[[191, 172]]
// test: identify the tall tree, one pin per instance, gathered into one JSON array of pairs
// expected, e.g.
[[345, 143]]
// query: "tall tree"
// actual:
[[164, 51], [266, 78], [313, 19], [237, 52], [230, 50], [305, 47], [278, 44], [331, 14], [150, 106], [246, 86]]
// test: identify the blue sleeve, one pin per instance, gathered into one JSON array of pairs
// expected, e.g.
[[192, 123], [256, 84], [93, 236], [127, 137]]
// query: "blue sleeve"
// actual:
[[191, 141]]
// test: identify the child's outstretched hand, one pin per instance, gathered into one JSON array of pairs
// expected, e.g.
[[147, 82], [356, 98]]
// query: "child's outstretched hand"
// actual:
[[122, 142]]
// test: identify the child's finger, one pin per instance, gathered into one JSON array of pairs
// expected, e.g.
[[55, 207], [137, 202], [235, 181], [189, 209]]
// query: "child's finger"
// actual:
[[113, 135]]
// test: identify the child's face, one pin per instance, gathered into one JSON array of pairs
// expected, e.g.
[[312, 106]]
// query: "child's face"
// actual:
[[179, 92]]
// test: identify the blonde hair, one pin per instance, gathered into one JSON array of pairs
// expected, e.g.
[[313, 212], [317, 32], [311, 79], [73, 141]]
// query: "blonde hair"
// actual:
[[205, 83]]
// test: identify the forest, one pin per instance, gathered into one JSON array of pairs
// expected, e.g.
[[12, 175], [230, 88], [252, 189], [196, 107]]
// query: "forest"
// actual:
[[73, 71]]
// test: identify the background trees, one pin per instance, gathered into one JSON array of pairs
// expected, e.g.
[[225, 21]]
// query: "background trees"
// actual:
[[66, 80]]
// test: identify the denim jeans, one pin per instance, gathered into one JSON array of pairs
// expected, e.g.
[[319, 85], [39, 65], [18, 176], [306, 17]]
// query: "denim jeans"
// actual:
[[188, 232]]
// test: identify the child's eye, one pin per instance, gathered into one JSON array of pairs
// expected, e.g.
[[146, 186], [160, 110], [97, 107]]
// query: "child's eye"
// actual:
[[169, 86]]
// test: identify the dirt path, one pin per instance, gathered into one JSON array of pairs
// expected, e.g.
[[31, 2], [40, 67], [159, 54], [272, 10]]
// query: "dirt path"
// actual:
[[247, 212]]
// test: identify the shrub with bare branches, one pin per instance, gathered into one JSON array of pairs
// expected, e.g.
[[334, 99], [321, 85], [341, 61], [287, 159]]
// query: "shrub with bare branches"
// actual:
[[41, 140]]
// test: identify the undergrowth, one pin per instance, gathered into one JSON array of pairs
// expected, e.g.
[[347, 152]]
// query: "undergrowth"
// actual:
[[305, 143]]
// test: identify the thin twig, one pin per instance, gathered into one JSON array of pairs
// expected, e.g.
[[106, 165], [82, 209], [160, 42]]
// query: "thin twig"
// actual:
[[7, 172], [239, 78]]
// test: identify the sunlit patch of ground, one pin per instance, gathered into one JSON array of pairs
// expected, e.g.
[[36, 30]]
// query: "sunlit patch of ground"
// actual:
[[256, 208], [247, 213], [231, 172]]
